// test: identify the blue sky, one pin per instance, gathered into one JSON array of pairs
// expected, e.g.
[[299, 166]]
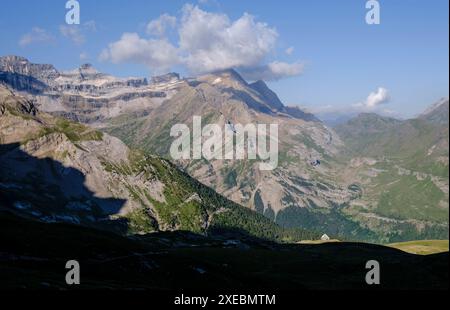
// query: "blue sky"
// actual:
[[403, 61]]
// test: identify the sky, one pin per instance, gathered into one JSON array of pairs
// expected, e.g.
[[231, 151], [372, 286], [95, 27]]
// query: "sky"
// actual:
[[318, 54]]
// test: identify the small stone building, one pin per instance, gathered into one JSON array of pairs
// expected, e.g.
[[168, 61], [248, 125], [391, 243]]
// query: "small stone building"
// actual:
[[324, 237]]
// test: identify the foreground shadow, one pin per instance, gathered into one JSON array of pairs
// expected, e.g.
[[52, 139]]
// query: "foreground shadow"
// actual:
[[34, 253], [44, 189]]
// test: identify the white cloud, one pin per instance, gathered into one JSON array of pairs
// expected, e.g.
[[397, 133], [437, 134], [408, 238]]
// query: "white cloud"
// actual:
[[290, 50], [90, 25], [37, 35], [209, 3], [158, 54], [374, 103], [207, 42], [159, 26], [84, 56], [73, 33], [380, 96], [213, 42], [77, 33], [273, 71]]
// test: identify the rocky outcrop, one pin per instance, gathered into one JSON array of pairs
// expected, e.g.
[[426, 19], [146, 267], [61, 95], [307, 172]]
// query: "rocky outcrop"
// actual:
[[268, 95], [9, 102], [85, 94], [20, 73], [21, 66], [166, 78], [437, 113]]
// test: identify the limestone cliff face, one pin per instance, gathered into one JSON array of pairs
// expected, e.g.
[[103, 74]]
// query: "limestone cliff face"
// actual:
[[84, 94], [21, 66]]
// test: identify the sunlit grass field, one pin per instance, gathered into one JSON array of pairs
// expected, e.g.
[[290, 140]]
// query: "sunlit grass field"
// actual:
[[422, 247]]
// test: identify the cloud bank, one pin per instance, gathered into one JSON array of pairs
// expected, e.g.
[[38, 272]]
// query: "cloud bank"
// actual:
[[206, 42], [37, 35]]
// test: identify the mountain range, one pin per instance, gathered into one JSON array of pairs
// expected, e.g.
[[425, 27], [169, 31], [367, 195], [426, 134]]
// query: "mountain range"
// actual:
[[54, 170], [377, 178]]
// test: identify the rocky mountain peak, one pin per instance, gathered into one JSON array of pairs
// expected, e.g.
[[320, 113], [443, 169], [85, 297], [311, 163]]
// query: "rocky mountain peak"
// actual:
[[225, 78], [86, 66], [85, 71], [22, 66], [232, 75], [23, 75], [268, 95], [166, 78], [437, 112], [88, 69], [259, 84], [12, 59]]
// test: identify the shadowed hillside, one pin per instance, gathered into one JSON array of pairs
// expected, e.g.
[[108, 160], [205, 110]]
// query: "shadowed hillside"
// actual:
[[34, 255], [52, 192]]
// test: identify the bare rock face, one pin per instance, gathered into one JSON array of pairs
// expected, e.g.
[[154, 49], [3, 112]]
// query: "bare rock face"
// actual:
[[167, 78], [21, 66], [11, 103], [84, 94], [86, 79], [437, 113], [22, 75], [267, 94]]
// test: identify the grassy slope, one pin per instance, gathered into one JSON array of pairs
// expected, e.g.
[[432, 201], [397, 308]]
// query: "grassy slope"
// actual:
[[404, 144], [422, 247]]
